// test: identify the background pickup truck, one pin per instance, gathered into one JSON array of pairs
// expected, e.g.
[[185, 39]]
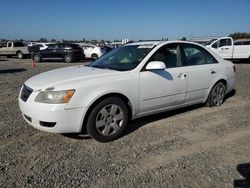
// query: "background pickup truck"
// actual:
[[14, 49], [229, 49]]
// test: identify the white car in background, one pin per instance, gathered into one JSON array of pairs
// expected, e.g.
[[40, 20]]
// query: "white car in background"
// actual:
[[92, 51], [132, 81], [229, 49], [42, 46]]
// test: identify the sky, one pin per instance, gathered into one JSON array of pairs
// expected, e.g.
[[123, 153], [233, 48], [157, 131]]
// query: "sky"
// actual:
[[117, 19]]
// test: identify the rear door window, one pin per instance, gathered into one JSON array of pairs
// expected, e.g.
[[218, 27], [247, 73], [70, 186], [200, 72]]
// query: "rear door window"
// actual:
[[195, 55], [53, 47]]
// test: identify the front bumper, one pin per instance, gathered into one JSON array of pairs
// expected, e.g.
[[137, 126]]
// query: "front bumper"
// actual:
[[52, 117]]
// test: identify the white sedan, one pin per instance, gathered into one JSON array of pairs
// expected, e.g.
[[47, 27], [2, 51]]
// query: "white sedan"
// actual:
[[131, 81], [92, 51]]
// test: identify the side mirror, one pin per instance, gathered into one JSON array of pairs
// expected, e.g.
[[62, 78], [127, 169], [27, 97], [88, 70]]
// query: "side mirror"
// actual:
[[156, 65]]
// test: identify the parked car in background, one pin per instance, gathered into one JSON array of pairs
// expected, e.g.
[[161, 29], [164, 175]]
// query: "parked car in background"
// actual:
[[61, 51], [131, 81], [38, 46], [92, 51], [10, 49], [229, 49]]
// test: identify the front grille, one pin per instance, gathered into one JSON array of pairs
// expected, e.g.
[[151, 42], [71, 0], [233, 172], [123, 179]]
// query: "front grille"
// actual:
[[26, 91]]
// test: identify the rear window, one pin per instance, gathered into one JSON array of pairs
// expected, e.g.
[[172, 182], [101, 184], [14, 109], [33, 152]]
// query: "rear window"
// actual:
[[18, 44], [246, 42], [237, 43]]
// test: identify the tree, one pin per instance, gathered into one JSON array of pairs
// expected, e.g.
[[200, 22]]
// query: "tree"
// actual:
[[239, 35], [43, 40], [184, 38], [53, 40]]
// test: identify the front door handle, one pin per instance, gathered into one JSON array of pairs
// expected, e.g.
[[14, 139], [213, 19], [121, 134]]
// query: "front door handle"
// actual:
[[213, 72], [182, 75]]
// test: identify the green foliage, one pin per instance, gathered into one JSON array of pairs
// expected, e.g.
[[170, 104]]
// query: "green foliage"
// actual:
[[43, 40], [238, 35]]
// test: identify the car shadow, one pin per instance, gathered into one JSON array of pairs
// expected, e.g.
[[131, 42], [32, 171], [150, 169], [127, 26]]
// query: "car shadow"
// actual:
[[6, 71], [244, 170], [4, 60], [243, 61], [76, 136], [140, 122]]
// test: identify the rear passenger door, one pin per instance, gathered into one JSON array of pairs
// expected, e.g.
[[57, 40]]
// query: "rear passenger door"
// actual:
[[202, 70]]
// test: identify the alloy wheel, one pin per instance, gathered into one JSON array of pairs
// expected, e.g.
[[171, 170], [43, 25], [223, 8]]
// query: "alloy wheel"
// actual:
[[109, 120]]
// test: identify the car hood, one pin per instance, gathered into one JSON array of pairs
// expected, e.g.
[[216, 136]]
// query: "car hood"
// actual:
[[64, 75]]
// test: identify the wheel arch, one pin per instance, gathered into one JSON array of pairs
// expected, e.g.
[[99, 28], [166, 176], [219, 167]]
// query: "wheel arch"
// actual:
[[124, 98], [210, 89], [19, 51]]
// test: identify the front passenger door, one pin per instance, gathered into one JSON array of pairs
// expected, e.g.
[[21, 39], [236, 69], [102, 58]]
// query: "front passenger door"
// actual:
[[161, 89]]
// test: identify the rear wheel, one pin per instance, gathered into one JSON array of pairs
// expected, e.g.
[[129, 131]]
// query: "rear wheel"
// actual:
[[108, 120], [217, 95], [68, 58], [37, 58], [94, 56], [19, 55]]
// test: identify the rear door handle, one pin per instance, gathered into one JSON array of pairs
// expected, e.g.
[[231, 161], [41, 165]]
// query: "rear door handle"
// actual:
[[213, 72]]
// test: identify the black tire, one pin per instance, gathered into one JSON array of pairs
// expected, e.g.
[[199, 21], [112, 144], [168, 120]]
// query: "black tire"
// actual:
[[19, 55], [110, 126], [37, 58], [68, 58], [94, 56], [217, 95]]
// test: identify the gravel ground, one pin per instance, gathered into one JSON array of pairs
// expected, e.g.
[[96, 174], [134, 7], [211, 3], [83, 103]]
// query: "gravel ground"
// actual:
[[192, 147]]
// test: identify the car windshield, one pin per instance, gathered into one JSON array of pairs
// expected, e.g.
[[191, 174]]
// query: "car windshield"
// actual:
[[123, 58]]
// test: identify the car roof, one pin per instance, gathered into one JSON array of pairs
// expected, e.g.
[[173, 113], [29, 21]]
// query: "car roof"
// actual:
[[155, 43]]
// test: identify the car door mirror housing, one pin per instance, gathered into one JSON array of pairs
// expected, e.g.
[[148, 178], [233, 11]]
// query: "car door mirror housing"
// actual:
[[156, 65]]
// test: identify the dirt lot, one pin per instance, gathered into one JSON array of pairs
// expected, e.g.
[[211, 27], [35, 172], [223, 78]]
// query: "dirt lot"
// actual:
[[191, 147]]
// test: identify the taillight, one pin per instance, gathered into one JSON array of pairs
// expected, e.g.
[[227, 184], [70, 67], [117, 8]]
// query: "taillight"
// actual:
[[234, 69], [75, 50]]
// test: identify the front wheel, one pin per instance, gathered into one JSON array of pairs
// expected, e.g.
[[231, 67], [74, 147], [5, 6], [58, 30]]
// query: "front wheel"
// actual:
[[68, 58], [108, 120], [217, 95], [37, 58]]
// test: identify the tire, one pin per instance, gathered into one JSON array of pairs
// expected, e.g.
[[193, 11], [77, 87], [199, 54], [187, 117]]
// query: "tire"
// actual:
[[94, 56], [19, 55], [37, 58], [68, 58], [217, 95], [107, 120]]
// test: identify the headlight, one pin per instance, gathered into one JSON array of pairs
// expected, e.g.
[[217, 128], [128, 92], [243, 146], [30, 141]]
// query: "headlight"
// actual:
[[55, 97]]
